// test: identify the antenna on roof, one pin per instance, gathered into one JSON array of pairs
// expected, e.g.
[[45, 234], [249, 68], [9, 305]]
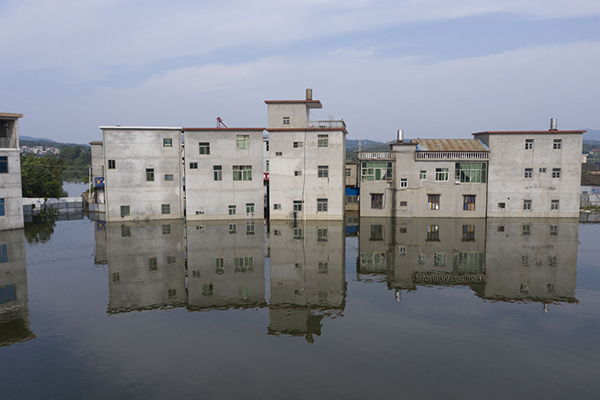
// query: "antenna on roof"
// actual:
[[220, 123]]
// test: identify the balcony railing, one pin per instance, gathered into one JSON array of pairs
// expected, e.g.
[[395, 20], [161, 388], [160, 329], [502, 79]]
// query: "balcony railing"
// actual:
[[374, 155], [326, 124], [451, 155], [8, 143]]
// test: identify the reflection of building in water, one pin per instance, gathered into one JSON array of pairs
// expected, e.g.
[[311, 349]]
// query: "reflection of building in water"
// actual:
[[532, 260], [226, 265], [146, 266], [14, 303], [512, 259], [101, 243], [307, 276]]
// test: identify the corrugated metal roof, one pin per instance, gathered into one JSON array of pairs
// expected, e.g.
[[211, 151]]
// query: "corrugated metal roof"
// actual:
[[451, 145]]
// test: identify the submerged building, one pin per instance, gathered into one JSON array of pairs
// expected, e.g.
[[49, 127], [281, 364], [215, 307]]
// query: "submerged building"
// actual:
[[11, 195]]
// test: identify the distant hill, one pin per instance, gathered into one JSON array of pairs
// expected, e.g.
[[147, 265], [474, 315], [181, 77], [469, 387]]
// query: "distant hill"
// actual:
[[352, 145], [31, 141], [592, 135]]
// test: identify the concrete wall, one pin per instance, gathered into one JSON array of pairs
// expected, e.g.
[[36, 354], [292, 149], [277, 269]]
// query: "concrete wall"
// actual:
[[134, 150], [226, 265], [134, 283], [210, 199], [298, 114], [11, 192], [507, 184]]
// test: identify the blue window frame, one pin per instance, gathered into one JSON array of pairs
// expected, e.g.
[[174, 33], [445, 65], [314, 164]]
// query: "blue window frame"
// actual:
[[3, 253], [8, 293], [3, 165], [1, 207]]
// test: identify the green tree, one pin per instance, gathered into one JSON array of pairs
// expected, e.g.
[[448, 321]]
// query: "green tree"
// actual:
[[42, 176]]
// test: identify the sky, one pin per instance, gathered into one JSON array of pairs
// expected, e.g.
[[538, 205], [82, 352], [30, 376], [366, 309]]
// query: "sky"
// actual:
[[434, 68]]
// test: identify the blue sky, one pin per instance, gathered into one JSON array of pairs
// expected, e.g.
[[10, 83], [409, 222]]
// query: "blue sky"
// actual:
[[435, 68]]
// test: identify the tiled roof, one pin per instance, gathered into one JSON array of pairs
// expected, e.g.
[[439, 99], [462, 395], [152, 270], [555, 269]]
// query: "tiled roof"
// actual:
[[525, 132], [451, 145]]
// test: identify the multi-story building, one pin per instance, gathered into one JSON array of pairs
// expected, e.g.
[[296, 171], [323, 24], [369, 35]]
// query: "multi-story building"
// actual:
[[223, 173], [534, 173], [11, 195], [143, 173], [307, 162]]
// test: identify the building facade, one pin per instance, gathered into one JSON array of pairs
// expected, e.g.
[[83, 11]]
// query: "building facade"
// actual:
[[143, 173], [307, 162], [223, 173], [11, 195]]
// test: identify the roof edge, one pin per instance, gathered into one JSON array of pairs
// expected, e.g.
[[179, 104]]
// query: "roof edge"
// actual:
[[527, 132]]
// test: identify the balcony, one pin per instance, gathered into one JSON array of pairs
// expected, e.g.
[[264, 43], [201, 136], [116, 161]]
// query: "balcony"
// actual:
[[329, 124], [374, 155], [8, 143], [451, 155]]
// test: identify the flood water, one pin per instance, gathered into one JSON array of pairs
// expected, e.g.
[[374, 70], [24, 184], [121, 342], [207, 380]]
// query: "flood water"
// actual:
[[370, 308]]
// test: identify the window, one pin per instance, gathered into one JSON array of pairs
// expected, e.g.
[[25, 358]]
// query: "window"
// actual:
[[321, 235], [200, 212], [232, 228], [168, 142], [276, 233], [219, 268], [125, 231], [376, 232], [403, 204], [165, 208], [250, 229], [323, 268], [554, 204], [207, 289], [376, 171], [470, 172], [323, 140], [298, 145], [351, 199], [376, 201], [297, 173], [433, 233], [243, 264], [348, 172], [440, 259], [500, 228], [125, 211], [433, 201], [528, 173], [217, 172], [286, 120], [542, 170], [171, 259], [169, 177], [243, 141], [152, 263], [3, 165], [297, 233], [112, 164], [249, 208], [232, 210], [528, 144], [441, 174], [468, 233], [556, 173], [423, 175], [554, 229], [116, 277], [298, 205], [267, 166], [323, 171], [469, 202], [502, 206], [196, 273], [2, 209], [193, 165], [3, 254], [204, 148], [321, 205], [166, 229], [401, 250], [149, 174], [526, 229], [557, 145], [242, 172], [278, 154], [527, 205]]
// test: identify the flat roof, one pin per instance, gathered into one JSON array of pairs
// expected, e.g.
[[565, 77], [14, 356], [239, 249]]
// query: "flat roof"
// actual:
[[10, 115], [305, 129], [451, 145], [223, 129], [309, 103], [526, 132], [142, 128]]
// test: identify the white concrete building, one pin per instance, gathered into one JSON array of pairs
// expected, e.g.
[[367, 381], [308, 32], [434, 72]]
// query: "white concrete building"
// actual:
[[534, 173], [11, 195], [143, 173], [223, 173], [307, 161]]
